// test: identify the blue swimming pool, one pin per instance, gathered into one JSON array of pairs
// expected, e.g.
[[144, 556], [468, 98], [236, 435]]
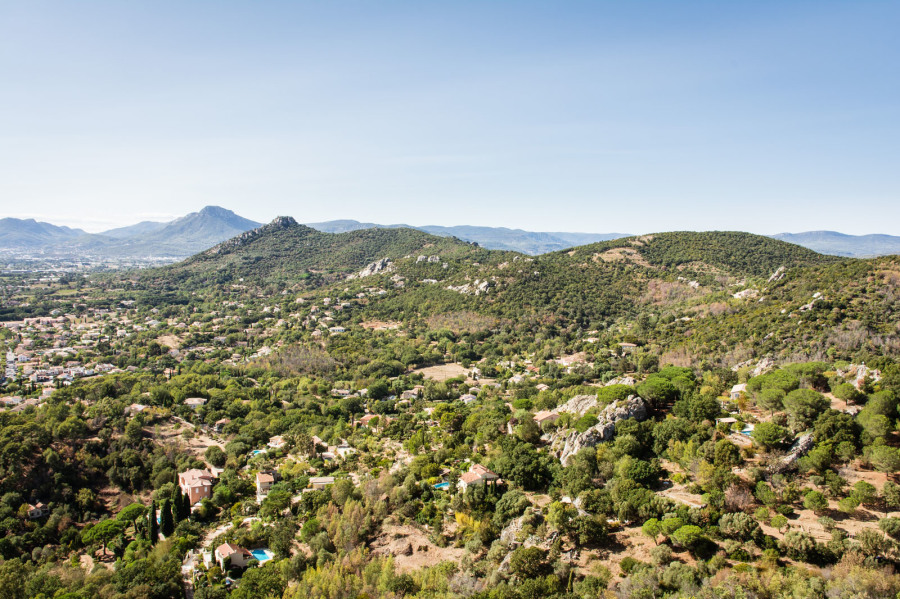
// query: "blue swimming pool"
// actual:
[[442, 486], [258, 451], [262, 555]]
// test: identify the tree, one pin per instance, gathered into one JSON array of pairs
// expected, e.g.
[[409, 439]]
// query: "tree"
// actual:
[[872, 542], [103, 532], [178, 506], [768, 434], [131, 512], [865, 493], [651, 529], [891, 526], [688, 535], [670, 525], [153, 524], [726, 454], [815, 501], [526, 563], [741, 526], [848, 505], [215, 456], [166, 521], [266, 581], [803, 406], [771, 400], [890, 495], [657, 390], [779, 522], [885, 459], [798, 545]]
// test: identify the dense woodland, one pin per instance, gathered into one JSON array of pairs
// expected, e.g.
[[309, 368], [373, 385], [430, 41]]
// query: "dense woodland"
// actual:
[[706, 495]]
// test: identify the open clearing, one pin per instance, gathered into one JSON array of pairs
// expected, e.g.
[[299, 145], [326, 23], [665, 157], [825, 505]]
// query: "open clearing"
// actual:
[[442, 372], [412, 549], [171, 434]]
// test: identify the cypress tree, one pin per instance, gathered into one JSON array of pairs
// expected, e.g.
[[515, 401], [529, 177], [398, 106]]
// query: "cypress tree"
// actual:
[[187, 505], [166, 522], [177, 506], [153, 525]]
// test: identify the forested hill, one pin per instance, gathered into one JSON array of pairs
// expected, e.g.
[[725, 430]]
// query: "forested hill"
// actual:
[[728, 252], [286, 251]]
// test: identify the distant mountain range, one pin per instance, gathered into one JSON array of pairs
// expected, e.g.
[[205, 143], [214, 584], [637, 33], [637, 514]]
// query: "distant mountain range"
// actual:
[[202, 230], [840, 244], [492, 238], [31, 234], [179, 238]]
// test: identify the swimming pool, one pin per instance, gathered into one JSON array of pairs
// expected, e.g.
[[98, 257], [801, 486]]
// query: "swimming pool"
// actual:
[[262, 555], [442, 486], [256, 452]]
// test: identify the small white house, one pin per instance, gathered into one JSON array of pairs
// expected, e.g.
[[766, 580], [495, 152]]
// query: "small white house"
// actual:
[[737, 391], [237, 556]]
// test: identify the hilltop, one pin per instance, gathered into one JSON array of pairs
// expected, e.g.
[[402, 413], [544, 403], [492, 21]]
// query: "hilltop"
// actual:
[[285, 250]]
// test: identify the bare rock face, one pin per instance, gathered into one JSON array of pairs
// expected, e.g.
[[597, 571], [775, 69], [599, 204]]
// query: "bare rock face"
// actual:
[[568, 443], [764, 366], [799, 449], [379, 266], [579, 405]]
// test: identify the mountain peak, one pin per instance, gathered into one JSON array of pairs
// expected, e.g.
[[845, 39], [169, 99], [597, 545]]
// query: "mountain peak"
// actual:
[[282, 222], [216, 211]]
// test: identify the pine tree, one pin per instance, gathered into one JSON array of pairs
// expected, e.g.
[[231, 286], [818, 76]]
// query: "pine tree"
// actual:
[[153, 525], [166, 522], [187, 505]]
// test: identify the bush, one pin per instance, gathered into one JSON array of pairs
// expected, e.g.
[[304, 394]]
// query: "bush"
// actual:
[[628, 564]]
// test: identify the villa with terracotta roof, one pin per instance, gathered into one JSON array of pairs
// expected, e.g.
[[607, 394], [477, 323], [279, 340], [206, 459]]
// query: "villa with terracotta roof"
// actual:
[[477, 475], [196, 484]]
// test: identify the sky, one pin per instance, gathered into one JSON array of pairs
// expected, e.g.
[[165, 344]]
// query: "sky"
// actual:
[[551, 116]]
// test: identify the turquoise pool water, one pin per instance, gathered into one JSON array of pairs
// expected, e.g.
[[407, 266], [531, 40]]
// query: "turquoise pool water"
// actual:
[[262, 555], [442, 486], [258, 451]]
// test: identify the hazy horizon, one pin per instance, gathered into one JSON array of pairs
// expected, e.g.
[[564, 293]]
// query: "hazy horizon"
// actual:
[[589, 117]]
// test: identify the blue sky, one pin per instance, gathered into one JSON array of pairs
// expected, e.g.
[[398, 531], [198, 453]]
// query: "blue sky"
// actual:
[[566, 116]]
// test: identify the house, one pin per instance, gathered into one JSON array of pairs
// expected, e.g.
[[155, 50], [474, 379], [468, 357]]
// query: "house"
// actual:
[[628, 348], [194, 402], [542, 387], [276, 442], [468, 398], [264, 482], [737, 391], [545, 416], [365, 420], [135, 408], [196, 484], [411, 394], [38, 510], [219, 426], [320, 482], [477, 475], [235, 555]]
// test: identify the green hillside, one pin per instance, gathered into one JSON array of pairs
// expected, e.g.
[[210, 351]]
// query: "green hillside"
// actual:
[[287, 252]]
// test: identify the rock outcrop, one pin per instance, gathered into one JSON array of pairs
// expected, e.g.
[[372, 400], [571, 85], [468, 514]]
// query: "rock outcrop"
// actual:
[[579, 405], [799, 449], [379, 266], [565, 444]]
